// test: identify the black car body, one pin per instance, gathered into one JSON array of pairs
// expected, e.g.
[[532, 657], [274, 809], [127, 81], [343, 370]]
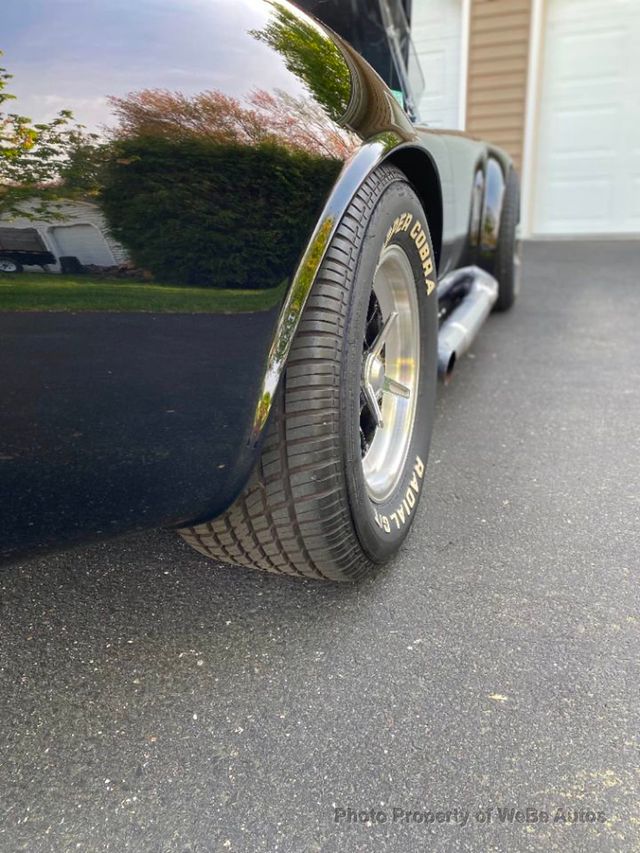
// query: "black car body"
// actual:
[[235, 136]]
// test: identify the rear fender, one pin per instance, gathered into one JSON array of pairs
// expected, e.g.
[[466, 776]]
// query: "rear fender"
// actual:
[[227, 140]]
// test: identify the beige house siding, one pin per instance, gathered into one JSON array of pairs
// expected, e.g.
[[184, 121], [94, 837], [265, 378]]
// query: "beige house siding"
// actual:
[[497, 73]]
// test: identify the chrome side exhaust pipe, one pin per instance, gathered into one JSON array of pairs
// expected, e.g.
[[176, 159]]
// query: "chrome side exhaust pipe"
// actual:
[[476, 292]]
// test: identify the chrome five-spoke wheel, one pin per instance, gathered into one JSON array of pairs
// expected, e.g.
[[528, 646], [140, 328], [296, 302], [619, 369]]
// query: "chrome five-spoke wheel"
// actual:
[[390, 366]]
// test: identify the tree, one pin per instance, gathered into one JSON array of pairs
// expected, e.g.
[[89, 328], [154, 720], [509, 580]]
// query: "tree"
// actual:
[[213, 214], [312, 56], [296, 123], [41, 162], [209, 115], [301, 123], [212, 191]]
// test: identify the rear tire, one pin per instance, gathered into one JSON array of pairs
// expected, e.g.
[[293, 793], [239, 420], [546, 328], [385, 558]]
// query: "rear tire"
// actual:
[[314, 507], [9, 266], [509, 250]]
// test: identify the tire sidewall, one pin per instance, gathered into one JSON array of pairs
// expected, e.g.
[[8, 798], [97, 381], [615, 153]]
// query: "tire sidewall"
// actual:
[[382, 526], [16, 267], [505, 267]]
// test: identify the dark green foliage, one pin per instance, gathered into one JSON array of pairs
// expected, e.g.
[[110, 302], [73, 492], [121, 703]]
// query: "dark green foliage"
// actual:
[[214, 214], [311, 56]]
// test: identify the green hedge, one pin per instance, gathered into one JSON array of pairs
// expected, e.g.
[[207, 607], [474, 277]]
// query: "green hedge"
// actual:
[[222, 215]]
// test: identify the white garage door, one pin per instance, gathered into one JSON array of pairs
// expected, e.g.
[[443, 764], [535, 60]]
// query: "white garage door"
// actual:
[[436, 27], [83, 241], [587, 177]]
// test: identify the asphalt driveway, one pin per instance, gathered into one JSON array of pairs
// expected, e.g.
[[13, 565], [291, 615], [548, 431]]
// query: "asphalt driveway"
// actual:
[[152, 701]]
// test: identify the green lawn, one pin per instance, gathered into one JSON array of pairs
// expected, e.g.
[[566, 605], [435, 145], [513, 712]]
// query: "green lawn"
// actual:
[[44, 292]]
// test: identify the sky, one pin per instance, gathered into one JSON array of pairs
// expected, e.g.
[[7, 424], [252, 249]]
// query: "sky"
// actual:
[[72, 54]]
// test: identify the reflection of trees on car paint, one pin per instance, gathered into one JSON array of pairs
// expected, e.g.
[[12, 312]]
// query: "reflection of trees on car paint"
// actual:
[[40, 162], [297, 123], [312, 56], [214, 191], [213, 214], [202, 189], [210, 191]]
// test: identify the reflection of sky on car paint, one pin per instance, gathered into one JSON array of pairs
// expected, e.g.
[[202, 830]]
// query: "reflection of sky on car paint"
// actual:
[[75, 47]]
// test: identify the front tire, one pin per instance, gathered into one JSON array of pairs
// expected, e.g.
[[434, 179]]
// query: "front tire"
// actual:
[[343, 462]]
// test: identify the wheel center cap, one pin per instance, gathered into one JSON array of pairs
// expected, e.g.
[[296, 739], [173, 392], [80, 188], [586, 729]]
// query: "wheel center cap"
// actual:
[[374, 373]]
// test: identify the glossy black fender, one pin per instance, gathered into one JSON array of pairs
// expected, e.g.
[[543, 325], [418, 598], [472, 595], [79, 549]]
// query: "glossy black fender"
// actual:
[[222, 142]]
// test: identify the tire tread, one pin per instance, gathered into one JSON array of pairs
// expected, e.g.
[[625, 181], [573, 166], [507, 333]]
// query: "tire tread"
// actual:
[[293, 516]]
